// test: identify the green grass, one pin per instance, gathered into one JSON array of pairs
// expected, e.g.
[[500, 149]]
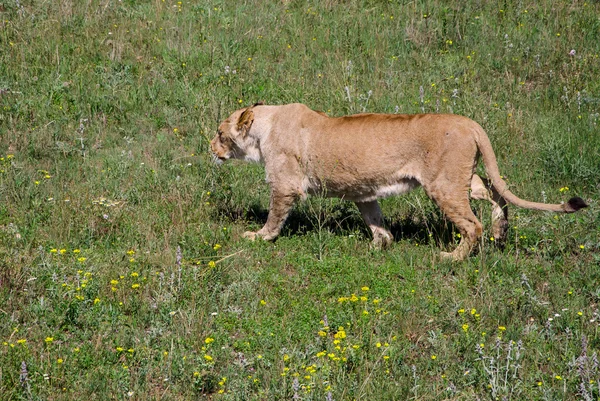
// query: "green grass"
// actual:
[[123, 274]]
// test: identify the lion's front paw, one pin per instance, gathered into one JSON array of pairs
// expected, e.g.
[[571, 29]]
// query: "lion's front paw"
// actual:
[[382, 239], [449, 256], [446, 256], [457, 256], [251, 235]]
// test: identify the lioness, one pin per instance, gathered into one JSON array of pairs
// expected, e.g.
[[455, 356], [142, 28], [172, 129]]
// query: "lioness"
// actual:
[[365, 157]]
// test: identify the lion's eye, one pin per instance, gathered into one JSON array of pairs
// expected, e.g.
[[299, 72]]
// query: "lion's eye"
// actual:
[[224, 139]]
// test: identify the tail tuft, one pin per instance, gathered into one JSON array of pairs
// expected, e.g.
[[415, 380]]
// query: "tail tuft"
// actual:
[[574, 204]]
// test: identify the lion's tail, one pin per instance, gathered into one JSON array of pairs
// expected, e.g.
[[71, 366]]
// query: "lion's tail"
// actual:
[[491, 167]]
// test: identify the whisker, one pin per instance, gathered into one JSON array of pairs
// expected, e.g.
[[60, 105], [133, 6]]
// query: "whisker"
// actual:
[[215, 159]]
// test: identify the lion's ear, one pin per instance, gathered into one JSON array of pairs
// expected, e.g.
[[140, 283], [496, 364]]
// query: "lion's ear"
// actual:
[[245, 121]]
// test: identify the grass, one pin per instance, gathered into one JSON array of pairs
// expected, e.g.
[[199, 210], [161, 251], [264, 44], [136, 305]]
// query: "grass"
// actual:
[[123, 274]]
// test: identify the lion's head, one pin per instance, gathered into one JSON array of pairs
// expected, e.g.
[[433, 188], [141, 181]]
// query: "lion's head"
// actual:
[[233, 139]]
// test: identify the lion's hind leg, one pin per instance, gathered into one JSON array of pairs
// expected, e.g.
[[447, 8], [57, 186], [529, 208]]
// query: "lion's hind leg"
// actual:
[[455, 205], [482, 189], [371, 213]]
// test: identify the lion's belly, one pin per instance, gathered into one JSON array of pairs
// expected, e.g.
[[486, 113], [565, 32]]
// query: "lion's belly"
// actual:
[[367, 191], [400, 188]]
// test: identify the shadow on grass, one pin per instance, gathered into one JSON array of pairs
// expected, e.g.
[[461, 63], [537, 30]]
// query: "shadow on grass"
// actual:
[[344, 219]]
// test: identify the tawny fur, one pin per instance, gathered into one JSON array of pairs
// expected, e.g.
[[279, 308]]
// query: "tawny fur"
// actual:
[[364, 157]]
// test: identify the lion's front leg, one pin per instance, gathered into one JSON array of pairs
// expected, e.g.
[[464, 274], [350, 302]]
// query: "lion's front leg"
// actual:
[[280, 205], [371, 213]]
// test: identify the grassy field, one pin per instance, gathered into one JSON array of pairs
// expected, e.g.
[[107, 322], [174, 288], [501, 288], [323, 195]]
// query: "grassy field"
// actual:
[[123, 274]]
